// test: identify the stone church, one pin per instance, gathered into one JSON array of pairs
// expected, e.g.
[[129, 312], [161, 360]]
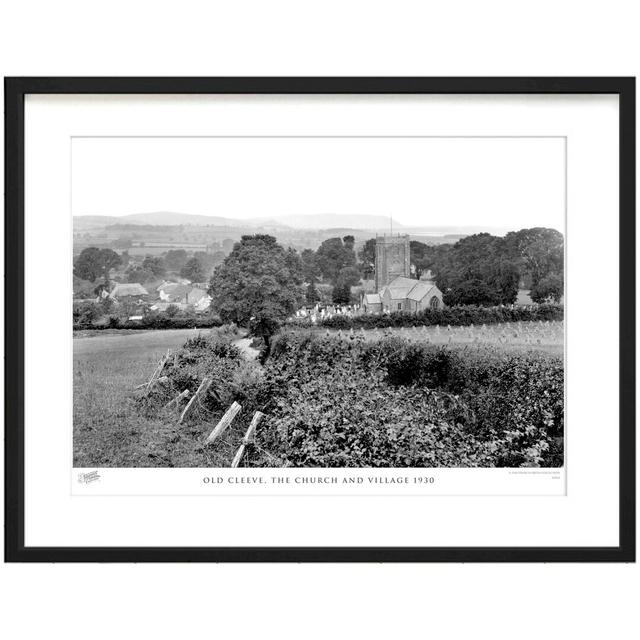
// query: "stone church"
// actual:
[[395, 289]]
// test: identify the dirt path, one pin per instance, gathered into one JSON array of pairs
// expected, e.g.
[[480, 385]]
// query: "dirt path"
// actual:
[[248, 352]]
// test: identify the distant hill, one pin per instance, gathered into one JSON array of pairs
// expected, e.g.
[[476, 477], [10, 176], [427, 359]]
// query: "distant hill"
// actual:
[[322, 223], [315, 221], [169, 218]]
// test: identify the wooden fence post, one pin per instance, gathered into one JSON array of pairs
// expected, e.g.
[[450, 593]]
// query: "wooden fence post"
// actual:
[[204, 385], [224, 423], [177, 399], [248, 437], [156, 374]]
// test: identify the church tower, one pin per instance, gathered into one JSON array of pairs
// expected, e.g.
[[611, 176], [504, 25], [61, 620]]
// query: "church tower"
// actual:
[[392, 259]]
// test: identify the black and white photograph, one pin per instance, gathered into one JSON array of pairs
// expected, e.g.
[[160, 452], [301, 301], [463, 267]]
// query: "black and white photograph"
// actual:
[[318, 301], [320, 319]]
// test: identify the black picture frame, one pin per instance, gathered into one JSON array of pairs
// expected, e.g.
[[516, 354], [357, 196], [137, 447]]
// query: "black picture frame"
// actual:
[[15, 91]]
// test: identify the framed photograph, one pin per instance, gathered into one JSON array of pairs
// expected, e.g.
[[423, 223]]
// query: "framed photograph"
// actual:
[[320, 319]]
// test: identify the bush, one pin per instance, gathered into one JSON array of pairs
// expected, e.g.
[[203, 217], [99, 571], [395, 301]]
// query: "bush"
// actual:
[[86, 312], [152, 321], [211, 356], [331, 401], [343, 402]]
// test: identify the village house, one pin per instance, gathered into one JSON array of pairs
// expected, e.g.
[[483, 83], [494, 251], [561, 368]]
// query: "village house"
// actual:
[[131, 291], [182, 296]]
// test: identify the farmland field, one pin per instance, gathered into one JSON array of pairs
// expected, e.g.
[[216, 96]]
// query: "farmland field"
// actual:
[[539, 336], [132, 346]]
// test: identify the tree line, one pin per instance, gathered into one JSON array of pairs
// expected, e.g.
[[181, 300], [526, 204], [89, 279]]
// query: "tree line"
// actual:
[[480, 269], [260, 283], [488, 270], [95, 264]]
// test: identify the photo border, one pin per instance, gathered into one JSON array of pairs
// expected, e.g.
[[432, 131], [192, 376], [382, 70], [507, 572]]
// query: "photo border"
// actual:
[[15, 91]]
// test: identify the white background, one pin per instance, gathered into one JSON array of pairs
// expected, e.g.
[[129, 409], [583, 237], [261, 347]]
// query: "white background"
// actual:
[[586, 516], [329, 38], [415, 180]]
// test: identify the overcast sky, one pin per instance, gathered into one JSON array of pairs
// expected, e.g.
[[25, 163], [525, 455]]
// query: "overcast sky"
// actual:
[[496, 182]]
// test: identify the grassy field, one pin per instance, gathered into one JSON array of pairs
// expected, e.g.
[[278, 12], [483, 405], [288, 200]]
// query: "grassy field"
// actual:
[[108, 429], [518, 336]]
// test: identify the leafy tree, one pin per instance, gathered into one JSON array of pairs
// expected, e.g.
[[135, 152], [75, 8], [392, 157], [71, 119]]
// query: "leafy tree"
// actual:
[[420, 257], [82, 288], [193, 270], [538, 252], [348, 276], [207, 262], [175, 259], [548, 289], [312, 295], [228, 244], [138, 274], [341, 293], [367, 257], [93, 263], [106, 304], [109, 260], [478, 270], [86, 312], [333, 255], [172, 310], [471, 292], [259, 283], [264, 325], [310, 268], [217, 257], [155, 264]]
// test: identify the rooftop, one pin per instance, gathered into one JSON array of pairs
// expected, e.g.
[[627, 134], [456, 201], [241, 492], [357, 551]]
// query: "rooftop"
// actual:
[[128, 289]]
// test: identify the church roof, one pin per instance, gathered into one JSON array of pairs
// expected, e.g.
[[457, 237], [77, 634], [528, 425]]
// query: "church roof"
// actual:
[[420, 290], [401, 281], [400, 287], [372, 298]]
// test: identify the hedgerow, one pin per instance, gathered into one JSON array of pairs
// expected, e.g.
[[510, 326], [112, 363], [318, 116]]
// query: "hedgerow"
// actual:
[[332, 401], [344, 402], [453, 316], [149, 322]]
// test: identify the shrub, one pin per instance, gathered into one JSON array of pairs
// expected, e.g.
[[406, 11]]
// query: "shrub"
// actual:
[[344, 402], [332, 401], [203, 356], [154, 321], [86, 312]]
